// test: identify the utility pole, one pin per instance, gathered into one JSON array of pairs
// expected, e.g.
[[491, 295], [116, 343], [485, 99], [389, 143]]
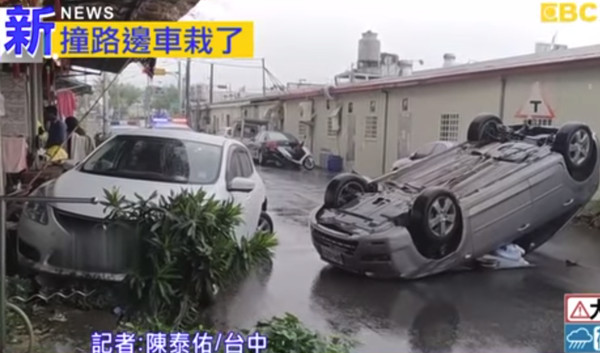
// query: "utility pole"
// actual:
[[86, 100], [264, 77], [104, 106], [147, 100], [187, 87], [211, 83], [179, 85], [117, 104]]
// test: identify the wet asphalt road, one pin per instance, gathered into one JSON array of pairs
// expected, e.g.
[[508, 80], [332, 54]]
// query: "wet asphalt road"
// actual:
[[483, 311]]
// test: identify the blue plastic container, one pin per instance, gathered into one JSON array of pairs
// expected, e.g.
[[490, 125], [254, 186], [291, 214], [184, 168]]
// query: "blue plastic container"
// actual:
[[335, 164]]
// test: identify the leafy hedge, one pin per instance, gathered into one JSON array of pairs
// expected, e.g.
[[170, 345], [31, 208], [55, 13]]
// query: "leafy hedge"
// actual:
[[189, 249]]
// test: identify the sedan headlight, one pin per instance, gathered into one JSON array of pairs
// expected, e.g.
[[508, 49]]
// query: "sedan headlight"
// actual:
[[37, 211]]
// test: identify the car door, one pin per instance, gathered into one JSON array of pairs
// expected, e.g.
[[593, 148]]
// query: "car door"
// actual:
[[256, 197], [235, 169], [500, 214], [550, 197]]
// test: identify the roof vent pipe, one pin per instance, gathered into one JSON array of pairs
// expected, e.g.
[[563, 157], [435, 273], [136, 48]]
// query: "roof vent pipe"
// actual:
[[449, 59], [327, 92]]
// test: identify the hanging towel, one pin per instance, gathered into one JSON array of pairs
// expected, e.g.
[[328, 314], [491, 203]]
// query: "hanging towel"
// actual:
[[14, 154], [66, 103], [81, 146]]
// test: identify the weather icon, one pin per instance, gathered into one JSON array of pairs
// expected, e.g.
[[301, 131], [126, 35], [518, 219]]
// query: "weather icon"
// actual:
[[579, 338]]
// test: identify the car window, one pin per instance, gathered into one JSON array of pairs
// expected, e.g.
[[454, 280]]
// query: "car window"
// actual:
[[424, 150], [245, 163], [156, 158], [261, 137], [234, 166], [439, 148], [249, 131], [277, 136]]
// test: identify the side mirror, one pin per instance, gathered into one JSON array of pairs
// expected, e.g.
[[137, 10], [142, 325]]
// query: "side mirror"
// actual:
[[413, 156], [69, 164], [240, 184]]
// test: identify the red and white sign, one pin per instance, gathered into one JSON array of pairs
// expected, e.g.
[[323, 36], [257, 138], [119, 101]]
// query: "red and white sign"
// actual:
[[536, 107], [582, 307]]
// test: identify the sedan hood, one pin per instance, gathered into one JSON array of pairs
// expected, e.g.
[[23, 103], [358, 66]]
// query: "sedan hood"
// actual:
[[78, 184]]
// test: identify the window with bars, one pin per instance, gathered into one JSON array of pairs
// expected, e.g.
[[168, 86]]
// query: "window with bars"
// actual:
[[449, 127], [330, 131], [371, 127], [541, 122], [303, 130]]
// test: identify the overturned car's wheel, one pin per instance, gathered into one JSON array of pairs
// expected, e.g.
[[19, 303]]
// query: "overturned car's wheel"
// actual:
[[344, 188], [576, 144], [436, 223], [265, 223], [484, 128]]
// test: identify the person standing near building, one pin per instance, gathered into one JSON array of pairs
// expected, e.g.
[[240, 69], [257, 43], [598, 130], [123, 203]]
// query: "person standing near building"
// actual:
[[79, 144], [57, 134], [57, 129]]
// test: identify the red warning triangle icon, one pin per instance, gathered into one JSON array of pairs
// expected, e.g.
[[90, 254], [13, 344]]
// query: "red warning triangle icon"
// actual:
[[579, 312], [536, 107]]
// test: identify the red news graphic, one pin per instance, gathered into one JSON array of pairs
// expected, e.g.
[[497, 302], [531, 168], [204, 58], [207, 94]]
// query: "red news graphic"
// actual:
[[582, 308]]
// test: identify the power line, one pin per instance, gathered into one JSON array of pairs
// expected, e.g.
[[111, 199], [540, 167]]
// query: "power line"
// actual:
[[230, 65]]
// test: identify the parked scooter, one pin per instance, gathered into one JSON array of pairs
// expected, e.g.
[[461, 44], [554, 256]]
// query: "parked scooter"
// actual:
[[299, 156]]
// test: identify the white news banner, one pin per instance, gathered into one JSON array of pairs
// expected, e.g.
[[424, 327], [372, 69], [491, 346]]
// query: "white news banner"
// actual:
[[582, 308]]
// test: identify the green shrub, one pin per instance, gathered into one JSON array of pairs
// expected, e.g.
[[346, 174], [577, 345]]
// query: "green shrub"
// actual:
[[189, 250], [288, 334]]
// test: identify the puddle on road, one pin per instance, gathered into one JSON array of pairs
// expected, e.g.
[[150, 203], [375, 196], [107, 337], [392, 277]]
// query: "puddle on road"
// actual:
[[292, 214]]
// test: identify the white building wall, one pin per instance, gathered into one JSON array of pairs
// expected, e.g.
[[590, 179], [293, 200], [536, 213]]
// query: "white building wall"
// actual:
[[419, 124], [219, 114], [573, 95], [366, 144]]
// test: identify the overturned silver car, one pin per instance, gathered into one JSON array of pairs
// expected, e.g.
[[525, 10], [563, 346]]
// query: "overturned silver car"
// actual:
[[504, 185]]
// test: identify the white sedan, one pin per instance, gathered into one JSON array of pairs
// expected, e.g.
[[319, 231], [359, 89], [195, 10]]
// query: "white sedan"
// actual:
[[71, 239]]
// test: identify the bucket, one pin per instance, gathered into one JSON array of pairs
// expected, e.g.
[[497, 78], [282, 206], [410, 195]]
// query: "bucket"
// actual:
[[335, 164]]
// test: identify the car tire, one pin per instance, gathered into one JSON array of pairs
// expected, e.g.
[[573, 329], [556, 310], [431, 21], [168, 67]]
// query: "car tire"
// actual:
[[436, 237], [581, 161], [343, 188], [482, 128], [265, 223]]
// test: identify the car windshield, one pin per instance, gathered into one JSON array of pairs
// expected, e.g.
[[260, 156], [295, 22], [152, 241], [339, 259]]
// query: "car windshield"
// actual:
[[156, 158], [280, 136]]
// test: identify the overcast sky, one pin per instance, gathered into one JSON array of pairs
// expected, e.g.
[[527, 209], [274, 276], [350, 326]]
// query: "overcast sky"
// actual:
[[316, 39]]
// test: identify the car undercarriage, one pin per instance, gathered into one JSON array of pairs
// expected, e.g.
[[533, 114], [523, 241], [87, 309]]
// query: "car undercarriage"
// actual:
[[507, 189]]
